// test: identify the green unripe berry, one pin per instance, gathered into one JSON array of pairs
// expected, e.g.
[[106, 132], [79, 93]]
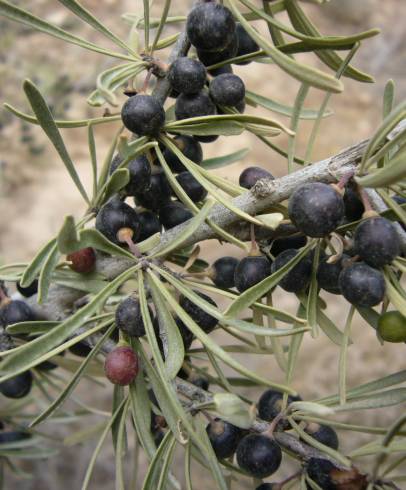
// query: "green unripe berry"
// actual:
[[392, 327]]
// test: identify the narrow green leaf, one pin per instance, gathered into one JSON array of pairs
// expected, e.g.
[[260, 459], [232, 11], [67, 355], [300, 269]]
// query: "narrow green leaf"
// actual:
[[35, 266], [342, 364], [34, 327], [161, 25], [311, 308], [93, 157], [44, 280], [116, 182], [67, 238], [397, 299], [156, 466], [393, 172], [388, 98], [219, 162], [387, 398], [369, 315], [120, 445]]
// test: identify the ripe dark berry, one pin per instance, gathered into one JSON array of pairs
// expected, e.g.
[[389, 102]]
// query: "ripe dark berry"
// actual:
[[207, 138], [201, 382], [258, 455], [80, 349], [29, 290], [251, 271], [362, 285], [187, 75], [354, 208], [224, 437], [173, 214], [316, 209], [281, 244], [129, 318], [18, 386], [215, 72], [143, 115], [190, 147], [13, 436], [392, 327], [195, 105], [222, 272], [227, 89], [205, 321], [299, 276], [323, 434], [328, 274], [376, 241], [114, 216], [83, 260], [270, 405], [269, 486], [191, 186], [213, 57], [185, 333], [158, 437], [121, 366], [158, 193], [328, 477], [149, 225], [140, 173], [210, 26], [250, 176], [15, 311], [246, 45]]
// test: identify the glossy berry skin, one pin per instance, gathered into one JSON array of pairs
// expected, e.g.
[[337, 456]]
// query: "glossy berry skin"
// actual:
[[158, 193], [224, 437], [17, 387], [114, 216], [121, 366], [205, 321], [246, 45], [298, 278], [354, 208], [270, 405], [222, 272], [195, 105], [190, 147], [29, 290], [210, 26], [251, 271], [323, 434], [361, 285], [191, 186], [80, 349], [129, 318], [258, 455], [392, 327], [187, 75], [209, 58], [328, 477], [281, 244], [316, 209], [173, 214], [227, 89], [139, 171], [15, 311], [250, 176], [149, 225], [143, 115], [328, 274], [376, 241], [83, 260]]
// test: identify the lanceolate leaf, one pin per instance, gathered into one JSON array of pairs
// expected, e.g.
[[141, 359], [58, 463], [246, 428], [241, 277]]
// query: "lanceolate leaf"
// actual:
[[382, 399], [44, 281], [68, 238], [218, 162], [393, 172], [116, 182], [33, 269], [154, 470]]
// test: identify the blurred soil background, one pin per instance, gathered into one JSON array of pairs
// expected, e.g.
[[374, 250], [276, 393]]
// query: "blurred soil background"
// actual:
[[36, 192]]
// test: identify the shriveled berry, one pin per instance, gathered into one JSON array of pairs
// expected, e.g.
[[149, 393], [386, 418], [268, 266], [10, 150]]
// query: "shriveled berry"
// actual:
[[28, 291], [195, 105], [281, 244], [173, 214], [210, 26], [121, 365], [392, 327], [158, 193], [258, 455], [316, 209], [250, 176], [80, 349], [17, 387], [149, 225], [270, 405], [224, 437], [15, 311], [227, 90], [191, 186], [328, 274], [222, 272], [209, 58], [190, 147], [376, 241], [114, 216], [187, 75], [251, 271], [143, 115], [83, 260], [362, 285], [205, 321], [246, 45], [323, 434], [129, 318], [298, 277], [354, 208], [329, 477]]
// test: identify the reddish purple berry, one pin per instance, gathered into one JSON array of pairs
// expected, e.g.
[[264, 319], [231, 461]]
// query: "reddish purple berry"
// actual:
[[121, 366], [82, 260]]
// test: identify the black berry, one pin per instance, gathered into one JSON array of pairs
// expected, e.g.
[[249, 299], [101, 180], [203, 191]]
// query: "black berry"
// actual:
[[224, 437], [17, 387], [323, 434], [187, 75], [328, 274], [362, 285], [190, 147], [15, 311], [206, 138], [353, 206], [221, 70], [29, 290], [129, 318], [209, 58], [222, 272], [149, 225], [191, 186], [227, 90], [376, 241], [316, 209], [114, 216], [246, 45], [205, 321], [259, 455], [299, 276], [158, 193], [121, 366], [143, 115], [195, 105], [328, 477], [185, 333], [80, 349], [210, 26], [140, 173], [270, 405], [173, 214], [281, 244], [251, 271], [83, 260], [392, 327], [13, 436], [201, 382], [250, 176]]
